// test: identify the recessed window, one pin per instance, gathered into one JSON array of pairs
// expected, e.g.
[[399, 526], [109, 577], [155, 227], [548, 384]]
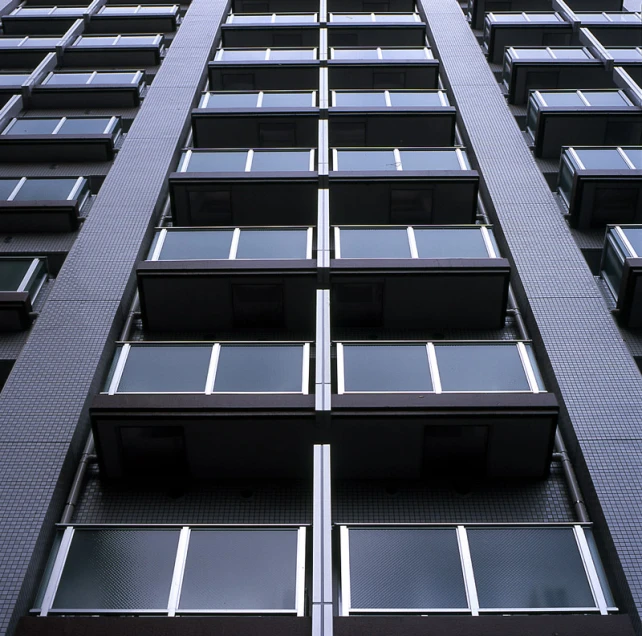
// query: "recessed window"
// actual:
[[248, 161], [184, 245], [624, 54], [562, 99], [453, 243], [62, 126], [288, 161], [273, 244], [216, 161], [374, 243], [250, 55], [418, 98], [13, 79], [601, 159], [22, 275], [52, 189], [634, 155], [359, 99], [32, 127], [89, 79], [359, 160], [287, 100], [430, 160]]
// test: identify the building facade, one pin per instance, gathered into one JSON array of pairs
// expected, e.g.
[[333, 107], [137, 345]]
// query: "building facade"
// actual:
[[321, 317]]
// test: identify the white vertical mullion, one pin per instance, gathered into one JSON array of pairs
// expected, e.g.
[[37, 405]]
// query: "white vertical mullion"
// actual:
[[120, 367], [185, 163], [622, 236], [575, 156], [462, 159], [434, 367], [386, 95], [14, 192], [344, 546], [442, 98], [335, 159], [487, 242], [234, 245], [159, 245], [259, 99], [56, 571], [337, 242], [212, 368], [414, 253], [591, 571], [581, 95], [267, 54], [91, 77], [74, 190], [626, 158], [397, 155], [179, 571], [379, 53], [59, 125], [468, 572], [29, 273], [341, 382], [300, 573], [312, 158], [248, 160], [528, 369], [305, 369], [308, 244]]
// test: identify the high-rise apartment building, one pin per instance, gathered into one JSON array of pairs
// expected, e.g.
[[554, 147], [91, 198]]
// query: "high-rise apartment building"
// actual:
[[321, 317]]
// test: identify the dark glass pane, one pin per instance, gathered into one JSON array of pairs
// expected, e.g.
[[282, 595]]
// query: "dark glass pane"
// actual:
[[403, 54], [33, 127], [83, 126], [566, 180], [217, 161], [562, 99], [386, 368], [232, 100], [292, 160], [12, 272], [634, 236], [7, 186], [287, 100], [166, 369], [64, 79], [601, 158], [240, 570], [450, 244], [415, 99], [528, 567], [635, 156], [122, 569], [366, 160], [375, 243], [183, 245], [272, 244], [429, 160], [361, 98], [45, 190], [606, 98], [259, 369], [113, 78], [480, 368], [406, 569]]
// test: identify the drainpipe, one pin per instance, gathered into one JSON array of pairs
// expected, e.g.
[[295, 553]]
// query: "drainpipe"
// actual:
[[88, 457]]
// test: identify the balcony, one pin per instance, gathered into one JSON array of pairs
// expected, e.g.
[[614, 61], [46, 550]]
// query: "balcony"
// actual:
[[42, 205], [474, 570], [119, 51], [502, 30], [376, 29], [612, 28], [27, 20], [26, 52], [250, 69], [418, 277], [135, 19], [60, 139], [382, 68], [381, 186], [207, 280], [89, 89], [477, 8], [245, 187], [583, 118], [176, 571], [621, 269], [269, 119], [412, 409], [391, 118], [527, 69], [206, 410], [601, 185], [271, 30], [21, 280]]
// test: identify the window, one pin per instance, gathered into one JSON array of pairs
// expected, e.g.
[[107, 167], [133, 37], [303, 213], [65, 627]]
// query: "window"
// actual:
[[394, 18], [624, 54], [400, 159], [127, 11], [47, 189], [13, 80], [37, 12], [582, 99], [22, 275], [621, 242], [173, 570], [408, 53], [255, 55], [417, 242], [29, 43], [475, 570], [439, 367], [85, 41], [272, 18], [63, 126], [92, 78], [259, 99], [247, 161], [210, 368], [393, 99], [181, 244], [547, 53], [601, 159]]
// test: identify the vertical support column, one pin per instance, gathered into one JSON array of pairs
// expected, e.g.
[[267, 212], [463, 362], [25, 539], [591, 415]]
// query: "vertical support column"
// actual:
[[322, 606], [322, 367]]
